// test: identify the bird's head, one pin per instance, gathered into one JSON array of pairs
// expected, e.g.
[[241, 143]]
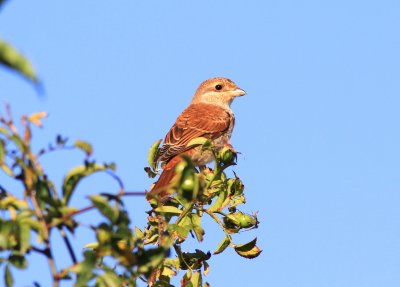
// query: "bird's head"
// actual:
[[218, 91]]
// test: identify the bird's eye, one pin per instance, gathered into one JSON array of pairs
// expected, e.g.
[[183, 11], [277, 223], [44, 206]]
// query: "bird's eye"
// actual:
[[218, 87]]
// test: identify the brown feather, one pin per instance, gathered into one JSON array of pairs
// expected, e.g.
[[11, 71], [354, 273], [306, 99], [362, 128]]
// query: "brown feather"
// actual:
[[198, 120], [168, 173], [166, 176]]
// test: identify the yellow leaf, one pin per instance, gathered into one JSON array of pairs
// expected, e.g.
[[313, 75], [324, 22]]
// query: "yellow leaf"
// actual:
[[248, 250], [36, 118], [92, 245]]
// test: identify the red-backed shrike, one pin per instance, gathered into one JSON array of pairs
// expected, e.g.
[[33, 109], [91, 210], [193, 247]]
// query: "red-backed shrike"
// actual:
[[209, 115]]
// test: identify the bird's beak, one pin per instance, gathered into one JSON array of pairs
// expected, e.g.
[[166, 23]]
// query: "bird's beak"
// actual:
[[238, 92]]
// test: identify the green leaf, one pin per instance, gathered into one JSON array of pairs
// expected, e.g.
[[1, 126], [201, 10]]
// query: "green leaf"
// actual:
[[185, 282], [223, 245], [197, 141], [104, 207], [6, 169], [75, 175], [153, 154], [196, 279], [206, 268], [235, 186], [83, 279], [173, 263], [14, 202], [86, 266], [181, 231], [2, 151], [18, 142], [198, 230], [24, 237], [108, 279], [84, 146], [8, 278], [36, 227], [168, 209], [248, 250], [6, 230], [150, 172], [233, 219], [18, 261], [168, 271], [14, 60], [4, 131], [217, 205], [150, 259], [92, 245], [139, 233]]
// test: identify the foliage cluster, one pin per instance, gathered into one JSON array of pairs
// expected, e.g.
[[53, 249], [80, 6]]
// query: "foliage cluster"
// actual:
[[121, 254]]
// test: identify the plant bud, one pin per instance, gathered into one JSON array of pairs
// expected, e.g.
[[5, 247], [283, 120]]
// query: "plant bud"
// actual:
[[227, 155], [247, 221], [243, 220], [188, 184]]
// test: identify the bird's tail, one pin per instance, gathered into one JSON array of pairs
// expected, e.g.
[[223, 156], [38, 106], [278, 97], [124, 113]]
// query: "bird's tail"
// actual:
[[166, 177]]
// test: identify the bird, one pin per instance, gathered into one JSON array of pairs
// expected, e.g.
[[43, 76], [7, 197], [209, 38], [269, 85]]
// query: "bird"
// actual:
[[209, 116]]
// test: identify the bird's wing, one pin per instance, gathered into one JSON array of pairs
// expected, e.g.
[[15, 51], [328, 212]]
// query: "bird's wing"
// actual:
[[198, 120]]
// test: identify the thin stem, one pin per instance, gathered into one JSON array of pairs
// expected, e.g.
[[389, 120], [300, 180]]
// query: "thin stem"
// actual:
[[133, 193], [179, 253], [37, 249], [54, 149], [184, 213], [90, 207], [117, 179], [46, 238], [68, 244], [73, 213], [218, 221], [10, 122], [216, 171]]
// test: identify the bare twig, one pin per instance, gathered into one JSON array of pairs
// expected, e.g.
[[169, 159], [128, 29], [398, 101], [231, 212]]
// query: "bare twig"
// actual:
[[68, 244], [134, 193], [118, 179], [90, 207], [46, 238], [10, 123]]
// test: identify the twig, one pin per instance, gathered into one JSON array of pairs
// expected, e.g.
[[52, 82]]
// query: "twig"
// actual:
[[117, 179], [134, 193], [47, 251], [180, 255], [53, 149], [10, 123], [217, 220], [90, 207], [68, 244], [37, 249], [184, 213]]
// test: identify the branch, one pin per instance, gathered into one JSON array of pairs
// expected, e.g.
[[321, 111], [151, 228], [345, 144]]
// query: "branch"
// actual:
[[90, 207], [68, 244], [47, 251]]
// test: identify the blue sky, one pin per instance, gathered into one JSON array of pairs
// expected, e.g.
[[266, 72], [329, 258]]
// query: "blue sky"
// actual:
[[318, 129]]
